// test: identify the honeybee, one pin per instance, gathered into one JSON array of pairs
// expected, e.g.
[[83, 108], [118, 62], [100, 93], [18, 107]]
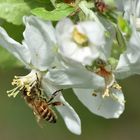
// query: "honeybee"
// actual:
[[40, 105]]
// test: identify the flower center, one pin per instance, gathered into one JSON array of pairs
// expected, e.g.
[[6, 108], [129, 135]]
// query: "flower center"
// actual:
[[80, 38], [25, 83], [104, 70], [109, 80]]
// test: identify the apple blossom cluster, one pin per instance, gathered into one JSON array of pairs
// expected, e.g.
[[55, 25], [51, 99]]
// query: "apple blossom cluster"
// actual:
[[88, 55]]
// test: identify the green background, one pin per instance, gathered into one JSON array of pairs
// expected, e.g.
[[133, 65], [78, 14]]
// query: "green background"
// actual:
[[17, 121]]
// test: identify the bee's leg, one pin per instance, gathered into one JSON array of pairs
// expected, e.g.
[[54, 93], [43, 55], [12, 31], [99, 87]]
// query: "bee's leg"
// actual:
[[38, 119], [54, 94], [55, 103]]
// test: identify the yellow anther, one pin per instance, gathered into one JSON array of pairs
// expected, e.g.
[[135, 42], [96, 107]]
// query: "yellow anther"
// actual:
[[117, 86], [28, 93], [13, 92], [79, 38], [24, 84], [106, 93]]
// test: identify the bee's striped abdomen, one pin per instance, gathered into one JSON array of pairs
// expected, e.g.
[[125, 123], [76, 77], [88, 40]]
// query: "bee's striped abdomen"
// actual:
[[45, 112]]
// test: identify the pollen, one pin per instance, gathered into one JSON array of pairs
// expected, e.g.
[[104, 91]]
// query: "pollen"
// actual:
[[24, 83], [80, 38], [116, 86], [106, 93]]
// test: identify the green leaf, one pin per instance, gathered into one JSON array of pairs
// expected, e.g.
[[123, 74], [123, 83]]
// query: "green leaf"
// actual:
[[7, 60], [62, 10], [124, 26], [119, 45], [14, 10], [11, 28], [43, 1], [120, 38], [113, 62], [123, 33]]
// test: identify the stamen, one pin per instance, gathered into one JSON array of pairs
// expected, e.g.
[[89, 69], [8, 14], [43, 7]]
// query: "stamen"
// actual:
[[13, 92], [116, 86], [103, 69], [106, 93], [108, 90], [79, 38], [26, 83]]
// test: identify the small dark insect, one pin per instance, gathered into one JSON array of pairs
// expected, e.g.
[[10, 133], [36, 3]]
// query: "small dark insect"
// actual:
[[101, 6], [94, 94], [69, 1]]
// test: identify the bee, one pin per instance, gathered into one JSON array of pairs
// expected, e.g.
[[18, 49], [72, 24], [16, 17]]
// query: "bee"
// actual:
[[40, 105]]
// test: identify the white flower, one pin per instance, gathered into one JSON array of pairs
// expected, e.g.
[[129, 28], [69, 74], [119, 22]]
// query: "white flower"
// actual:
[[80, 41], [106, 100], [130, 59], [100, 94], [37, 53]]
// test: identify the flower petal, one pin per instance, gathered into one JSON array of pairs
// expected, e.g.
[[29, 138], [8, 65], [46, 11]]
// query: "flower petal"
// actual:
[[75, 75], [129, 62], [107, 107], [18, 50], [67, 78], [66, 24], [40, 38], [69, 115], [79, 42], [94, 32]]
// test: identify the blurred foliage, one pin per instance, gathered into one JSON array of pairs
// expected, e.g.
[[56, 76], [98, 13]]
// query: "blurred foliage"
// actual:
[[17, 121], [7, 60], [13, 10], [61, 11]]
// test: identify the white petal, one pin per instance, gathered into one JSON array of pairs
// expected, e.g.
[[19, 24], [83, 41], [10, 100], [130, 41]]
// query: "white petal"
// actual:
[[74, 75], [107, 107], [72, 78], [111, 35], [69, 115], [18, 50], [94, 32], [69, 48], [119, 4], [129, 62], [66, 24], [40, 38]]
